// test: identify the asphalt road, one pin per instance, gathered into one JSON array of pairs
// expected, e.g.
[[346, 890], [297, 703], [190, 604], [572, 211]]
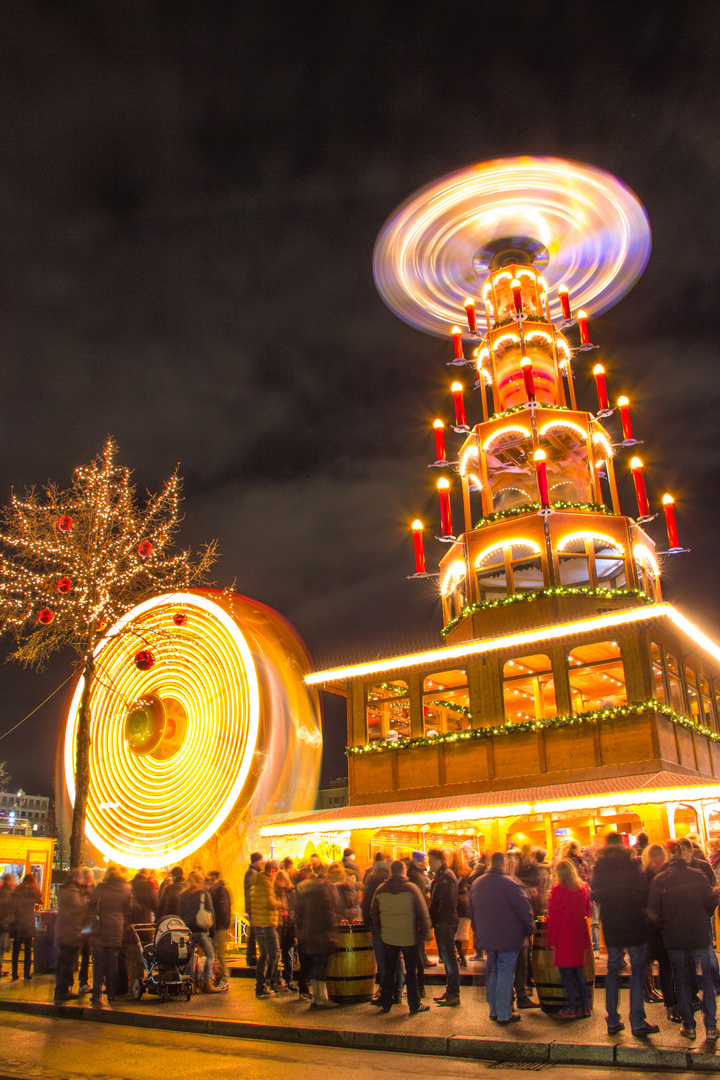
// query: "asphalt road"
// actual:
[[34, 1048]]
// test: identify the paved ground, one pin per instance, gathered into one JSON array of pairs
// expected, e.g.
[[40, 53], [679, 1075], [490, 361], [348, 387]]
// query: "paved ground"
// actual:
[[53, 1049], [461, 1032]]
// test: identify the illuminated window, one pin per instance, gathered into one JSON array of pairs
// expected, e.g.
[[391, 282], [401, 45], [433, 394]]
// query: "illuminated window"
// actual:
[[388, 711], [511, 567], [591, 560], [672, 670], [528, 689], [566, 455], [511, 471], [597, 676], [658, 672], [453, 591], [647, 570], [706, 704], [692, 693], [446, 702]]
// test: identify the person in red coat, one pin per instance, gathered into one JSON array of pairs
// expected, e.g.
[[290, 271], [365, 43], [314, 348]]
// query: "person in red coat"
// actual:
[[568, 911]]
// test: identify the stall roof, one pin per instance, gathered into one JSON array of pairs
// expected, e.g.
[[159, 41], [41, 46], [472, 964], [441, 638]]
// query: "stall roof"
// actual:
[[624, 790]]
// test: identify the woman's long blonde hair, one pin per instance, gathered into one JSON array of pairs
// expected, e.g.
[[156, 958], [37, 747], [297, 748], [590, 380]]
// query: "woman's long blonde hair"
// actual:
[[566, 874]]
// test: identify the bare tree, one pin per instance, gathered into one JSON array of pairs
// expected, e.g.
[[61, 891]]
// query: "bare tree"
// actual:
[[72, 562]]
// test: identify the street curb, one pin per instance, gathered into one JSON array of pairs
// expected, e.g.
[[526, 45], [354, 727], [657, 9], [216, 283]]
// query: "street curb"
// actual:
[[648, 1057]]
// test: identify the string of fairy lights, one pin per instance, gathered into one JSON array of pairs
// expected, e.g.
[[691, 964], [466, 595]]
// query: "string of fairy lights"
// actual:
[[593, 716], [529, 595]]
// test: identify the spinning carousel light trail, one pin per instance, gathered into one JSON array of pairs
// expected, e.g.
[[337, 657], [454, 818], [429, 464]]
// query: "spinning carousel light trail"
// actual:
[[583, 226], [153, 806]]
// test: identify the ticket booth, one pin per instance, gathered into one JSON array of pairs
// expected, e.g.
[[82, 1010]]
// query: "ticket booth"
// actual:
[[22, 855]]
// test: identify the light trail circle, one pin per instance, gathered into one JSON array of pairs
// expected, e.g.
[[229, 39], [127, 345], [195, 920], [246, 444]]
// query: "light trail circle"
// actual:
[[583, 226], [153, 808]]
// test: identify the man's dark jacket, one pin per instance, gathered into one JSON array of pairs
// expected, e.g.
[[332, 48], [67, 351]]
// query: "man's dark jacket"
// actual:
[[222, 904], [418, 877], [681, 899], [380, 872], [500, 912], [145, 897], [620, 887], [444, 897]]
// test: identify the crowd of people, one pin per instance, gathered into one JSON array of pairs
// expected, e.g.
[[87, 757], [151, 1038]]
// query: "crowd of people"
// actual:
[[654, 902]]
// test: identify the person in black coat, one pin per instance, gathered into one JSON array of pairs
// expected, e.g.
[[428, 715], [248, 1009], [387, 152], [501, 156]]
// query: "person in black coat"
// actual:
[[680, 903], [256, 865], [444, 918], [620, 887], [222, 904]]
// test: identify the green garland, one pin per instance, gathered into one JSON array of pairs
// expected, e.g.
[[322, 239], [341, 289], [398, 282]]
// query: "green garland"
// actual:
[[451, 706], [522, 407], [397, 691], [539, 594], [573, 720], [533, 507], [512, 319]]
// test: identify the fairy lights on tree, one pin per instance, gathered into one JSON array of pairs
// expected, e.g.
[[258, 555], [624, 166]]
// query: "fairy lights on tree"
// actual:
[[72, 562]]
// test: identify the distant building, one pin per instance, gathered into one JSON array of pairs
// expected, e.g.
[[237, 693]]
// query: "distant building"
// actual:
[[334, 794], [23, 815]]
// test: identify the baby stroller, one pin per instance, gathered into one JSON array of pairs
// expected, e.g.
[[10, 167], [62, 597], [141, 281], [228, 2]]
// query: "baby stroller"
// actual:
[[165, 950]]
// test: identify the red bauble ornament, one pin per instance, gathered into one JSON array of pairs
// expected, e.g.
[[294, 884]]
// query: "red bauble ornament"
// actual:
[[102, 624], [45, 616], [64, 585], [65, 524], [145, 549], [179, 619], [144, 660]]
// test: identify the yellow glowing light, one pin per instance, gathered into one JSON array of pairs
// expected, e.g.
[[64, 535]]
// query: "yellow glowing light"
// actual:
[[565, 424], [456, 330], [598, 370], [469, 302], [456, 387], [644, 555], [539, 455], [480, 812], [154, 808], [517, 542], [438, 424], [500, 341], [668, 500], [515, 284], [562, 288], [472, 451], [502, 276], [299, 828], [636, 463], [582, 314], [509, 430], [604, 442], [417, 525], [547, 633], [525, 271], [622, 402], [455, 574], [572, 537], [443, 484], [525, 362]]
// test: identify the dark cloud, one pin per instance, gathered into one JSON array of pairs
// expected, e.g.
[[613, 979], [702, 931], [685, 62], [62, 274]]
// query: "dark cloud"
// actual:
[[189, 197]]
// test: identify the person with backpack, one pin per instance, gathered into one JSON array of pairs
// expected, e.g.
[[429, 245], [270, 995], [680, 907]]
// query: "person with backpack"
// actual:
[[195, 908]]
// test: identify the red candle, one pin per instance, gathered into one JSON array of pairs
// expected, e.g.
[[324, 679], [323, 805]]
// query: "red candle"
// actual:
[[669, 508], [417, 529], [564, 301], [457, 342], [637, 468], [541, 470], [582, 318], [517, 295], [599, 373], [624, 407], [457, 393], [470, 312], [445, 515], [526, 365], [439, 429]]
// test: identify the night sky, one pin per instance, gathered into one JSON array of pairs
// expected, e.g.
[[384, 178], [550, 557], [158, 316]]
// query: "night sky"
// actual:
[[189, 197]]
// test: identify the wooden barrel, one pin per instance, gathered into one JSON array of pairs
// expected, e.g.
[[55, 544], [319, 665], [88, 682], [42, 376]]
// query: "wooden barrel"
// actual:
[[546, 976], [351, 971]]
